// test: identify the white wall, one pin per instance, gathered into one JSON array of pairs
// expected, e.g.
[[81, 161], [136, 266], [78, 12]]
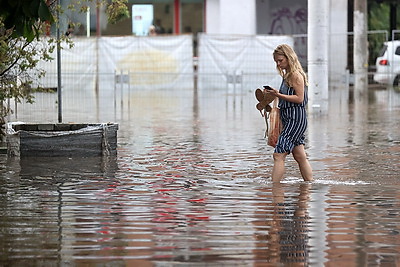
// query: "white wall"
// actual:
[[212, 16], [231, 17], [281, 17]]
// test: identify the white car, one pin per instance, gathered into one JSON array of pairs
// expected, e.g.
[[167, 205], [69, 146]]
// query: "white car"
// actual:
[[388, 64]]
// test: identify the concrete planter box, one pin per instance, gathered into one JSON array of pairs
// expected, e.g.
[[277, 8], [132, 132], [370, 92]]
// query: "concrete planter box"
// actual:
[[48, 140]]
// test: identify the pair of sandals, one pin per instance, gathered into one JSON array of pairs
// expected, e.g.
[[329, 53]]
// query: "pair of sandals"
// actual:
[[264, 100]]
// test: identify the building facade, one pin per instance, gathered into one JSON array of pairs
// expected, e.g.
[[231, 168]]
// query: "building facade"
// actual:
[[231, 17], [220, 17]]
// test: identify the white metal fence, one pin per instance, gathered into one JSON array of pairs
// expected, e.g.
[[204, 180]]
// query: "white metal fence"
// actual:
[[101, 75]]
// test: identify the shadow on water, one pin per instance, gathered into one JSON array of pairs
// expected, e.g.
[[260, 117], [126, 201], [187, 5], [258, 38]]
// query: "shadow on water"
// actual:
[[191, 187]]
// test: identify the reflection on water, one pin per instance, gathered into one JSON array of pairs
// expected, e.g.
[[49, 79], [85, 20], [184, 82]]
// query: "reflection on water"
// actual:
[[191, 187], [282, 231]]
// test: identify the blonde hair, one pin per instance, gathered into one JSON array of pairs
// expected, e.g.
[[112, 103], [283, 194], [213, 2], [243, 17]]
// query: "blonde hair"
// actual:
[[293, 61]]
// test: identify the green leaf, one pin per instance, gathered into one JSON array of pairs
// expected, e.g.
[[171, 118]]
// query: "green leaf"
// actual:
[[26, 9], [28, 32], [12, 3], [34, 7], [44, 12]]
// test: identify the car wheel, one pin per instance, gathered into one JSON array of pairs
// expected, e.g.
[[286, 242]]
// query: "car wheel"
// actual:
[[396, 81]]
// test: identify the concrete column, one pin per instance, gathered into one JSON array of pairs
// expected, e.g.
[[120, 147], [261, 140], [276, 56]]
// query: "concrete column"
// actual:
[[318, 26], [338, 51], [360, 55]]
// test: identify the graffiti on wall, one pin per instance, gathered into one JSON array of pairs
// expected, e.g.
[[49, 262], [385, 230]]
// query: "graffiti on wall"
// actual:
[[291, 21], [287, 21]]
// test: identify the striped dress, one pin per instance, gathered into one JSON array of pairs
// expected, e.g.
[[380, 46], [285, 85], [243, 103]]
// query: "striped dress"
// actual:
[[294, 121]]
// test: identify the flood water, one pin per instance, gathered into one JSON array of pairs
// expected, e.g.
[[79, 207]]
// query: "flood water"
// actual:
[[191, 187]]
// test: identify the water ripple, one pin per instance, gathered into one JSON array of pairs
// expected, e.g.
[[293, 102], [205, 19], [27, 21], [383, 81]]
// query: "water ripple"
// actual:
[[195, 190]]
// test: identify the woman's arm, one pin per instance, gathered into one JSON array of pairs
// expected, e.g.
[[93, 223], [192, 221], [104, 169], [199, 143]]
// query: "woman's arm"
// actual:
[[297, 85]]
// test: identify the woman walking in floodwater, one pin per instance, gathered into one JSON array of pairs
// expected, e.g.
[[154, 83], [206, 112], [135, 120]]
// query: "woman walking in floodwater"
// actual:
[[293, 99]]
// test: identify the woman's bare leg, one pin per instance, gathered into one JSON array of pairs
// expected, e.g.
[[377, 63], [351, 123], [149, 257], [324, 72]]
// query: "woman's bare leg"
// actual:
[[279, 167], [300, 156]]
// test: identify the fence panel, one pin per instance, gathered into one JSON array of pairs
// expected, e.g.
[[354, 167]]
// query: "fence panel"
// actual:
[[237, 61], [100, 75]]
